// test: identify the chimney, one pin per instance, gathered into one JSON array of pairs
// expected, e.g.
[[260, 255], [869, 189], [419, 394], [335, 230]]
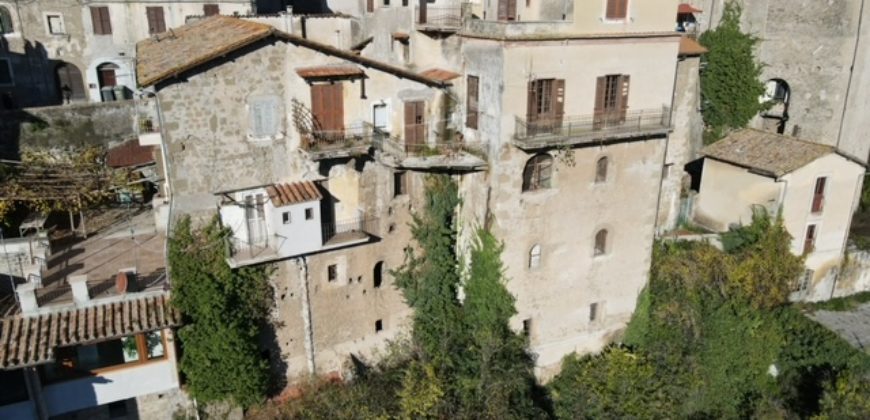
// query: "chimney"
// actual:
[[79, 286], [27, 297]]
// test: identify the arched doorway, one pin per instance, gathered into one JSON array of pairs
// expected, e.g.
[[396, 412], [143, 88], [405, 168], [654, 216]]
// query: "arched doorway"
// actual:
[[70, 85], [777, 93], [378, 274], [108, 80]]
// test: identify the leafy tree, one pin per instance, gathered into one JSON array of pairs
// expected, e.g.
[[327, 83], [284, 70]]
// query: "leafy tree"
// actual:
[[498, 380], [224, 310], [730, 83], [614, 384], [847, 398]]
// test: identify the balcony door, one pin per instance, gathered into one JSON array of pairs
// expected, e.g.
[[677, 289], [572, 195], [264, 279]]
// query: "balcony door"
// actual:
[[327, 107], [415, 125], [546, 106], [611, 100], [255, 216]]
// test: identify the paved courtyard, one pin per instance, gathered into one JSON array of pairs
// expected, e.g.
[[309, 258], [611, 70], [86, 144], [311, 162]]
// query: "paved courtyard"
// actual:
[[853, 326]]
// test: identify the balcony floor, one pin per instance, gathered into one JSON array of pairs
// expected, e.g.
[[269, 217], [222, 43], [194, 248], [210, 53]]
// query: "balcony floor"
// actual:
[[543, 141]]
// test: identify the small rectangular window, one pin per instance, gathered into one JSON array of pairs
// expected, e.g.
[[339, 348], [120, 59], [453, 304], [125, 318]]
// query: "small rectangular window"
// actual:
[[309, 213], [399, 184], [593, 312], [471, 98], [527, 327], [332, 272], [379, 326], [285, 217], [55, 24], [616, 9], [156, 23], [819, 195], [211, 9], [386, 3], [810, 239]]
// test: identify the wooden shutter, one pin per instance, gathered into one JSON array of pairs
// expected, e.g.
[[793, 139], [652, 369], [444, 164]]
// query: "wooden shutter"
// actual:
[[558, 103], [819, 195], [503, 8], [211, 9], [598, 114], [415, 125], [511, 9], [100, 19], [423, 4], [471, 99], [156, 23], [370, 6], [107, 77], [616, 9], [623, 96], [327, 105]]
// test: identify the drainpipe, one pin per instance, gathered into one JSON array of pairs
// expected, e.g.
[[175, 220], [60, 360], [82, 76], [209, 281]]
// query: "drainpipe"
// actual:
[[166, 185], [307, 324]]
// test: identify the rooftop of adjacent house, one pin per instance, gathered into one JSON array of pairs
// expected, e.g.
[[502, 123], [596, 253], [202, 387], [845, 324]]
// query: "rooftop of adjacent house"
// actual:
[[130, 153], [689, 46], [182, 49], [31, 340], [292, 193], [685, 8], [440, 74], [767, 153]]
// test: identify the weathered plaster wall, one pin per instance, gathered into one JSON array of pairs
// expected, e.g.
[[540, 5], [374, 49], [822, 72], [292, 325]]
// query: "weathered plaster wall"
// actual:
[[683, 143], [62, 126], [728, 193]]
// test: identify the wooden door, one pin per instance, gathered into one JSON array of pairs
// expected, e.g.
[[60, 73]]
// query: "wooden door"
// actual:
[[415, 125], [546, 106], [70, 83], [327, 107], [611, 100], [107, 75]]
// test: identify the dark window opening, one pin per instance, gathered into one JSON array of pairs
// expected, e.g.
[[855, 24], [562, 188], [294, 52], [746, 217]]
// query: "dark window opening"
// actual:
[[601, 242], [819, 195], [810, 239], [400, 186], [309, 213], [593, 312], [527, 327], [285, 218], [378, 274], [601, 170], [211, 9], [332, 272], [379, 326], [537, 172]]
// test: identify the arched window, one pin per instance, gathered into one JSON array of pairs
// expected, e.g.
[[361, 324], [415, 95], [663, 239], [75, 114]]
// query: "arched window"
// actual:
[[777, 90], [106, 74], [601, 169], [69, 83], [601, 242], [535, 256], [537, 172], [378, 274], [5, 21]]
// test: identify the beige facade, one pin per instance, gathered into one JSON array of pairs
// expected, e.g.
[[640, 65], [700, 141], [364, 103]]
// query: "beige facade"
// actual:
[[817, 222]]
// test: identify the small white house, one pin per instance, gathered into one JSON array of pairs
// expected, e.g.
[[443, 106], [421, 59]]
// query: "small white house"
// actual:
[[284, 220], [815, 186]]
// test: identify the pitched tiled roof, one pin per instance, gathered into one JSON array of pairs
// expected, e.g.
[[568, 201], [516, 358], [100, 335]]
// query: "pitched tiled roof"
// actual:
[[322, 72], [192, 45], [129, 153], [440, 74], [689, 46], [292, 193], [184, 48], [31, 340], [767, 153]]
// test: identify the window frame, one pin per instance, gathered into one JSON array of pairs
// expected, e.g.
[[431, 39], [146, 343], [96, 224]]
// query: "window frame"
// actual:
[[607, 18], [102, 15], [7, 16], [602, 171], [535, 255], [538, 173], [151, 13], [141, 347], [811, 233], [260, 109], [286, 218], [400, 183], [817, 205], [47, 18], [332, 273], [472, 102], [309, 213], [600, 244]]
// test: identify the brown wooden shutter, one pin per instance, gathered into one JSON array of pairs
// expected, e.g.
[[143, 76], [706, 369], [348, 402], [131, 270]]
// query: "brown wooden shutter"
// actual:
[[819, 195], [211, 9], [623, 97], [616, 9], [370, 6], [471, 99], [100, 19], [327, 107], [107, 77], [598, 114], [511, 9], [504, 10], [622, 8], [156, 23], [415, 125], [558, 105], [423, 4], [532, 109]]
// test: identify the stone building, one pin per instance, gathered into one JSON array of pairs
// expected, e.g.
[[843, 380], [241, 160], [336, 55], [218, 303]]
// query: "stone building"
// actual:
[[58, 51], [566, 153]]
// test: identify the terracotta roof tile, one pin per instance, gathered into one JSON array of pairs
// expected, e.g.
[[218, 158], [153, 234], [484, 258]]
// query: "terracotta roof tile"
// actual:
[[769, 153], [329, 71], [183, 48], [687, 8], [31, 340], [440, 74], [293, 193], [689, 46], [130, 153]]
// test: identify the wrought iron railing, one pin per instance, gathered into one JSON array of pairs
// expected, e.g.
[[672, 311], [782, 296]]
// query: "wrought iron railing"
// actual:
[[357, 227], [355, 136], [447, 17], [587, 128]]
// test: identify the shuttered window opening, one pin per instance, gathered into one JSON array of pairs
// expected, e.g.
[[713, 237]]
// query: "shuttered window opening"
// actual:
[[100, 19], [819, 195], [211, 9], [106, 75], [810, 239], [507, 9], [327, 108], [156, 23], [472, 102], [611, 100], [415, 126], [264, 116], [70, 82], [537, 173], [546, 106], [616, 9], [55, 24]]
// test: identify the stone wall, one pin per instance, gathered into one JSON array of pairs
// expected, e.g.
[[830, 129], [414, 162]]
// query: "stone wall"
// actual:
[[68, 125], [854, 275]]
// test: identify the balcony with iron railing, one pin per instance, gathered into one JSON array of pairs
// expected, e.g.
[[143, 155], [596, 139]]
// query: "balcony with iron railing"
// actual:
[[449, 150], [354, 140], [440, 17], [350, 231], [592, 128]]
